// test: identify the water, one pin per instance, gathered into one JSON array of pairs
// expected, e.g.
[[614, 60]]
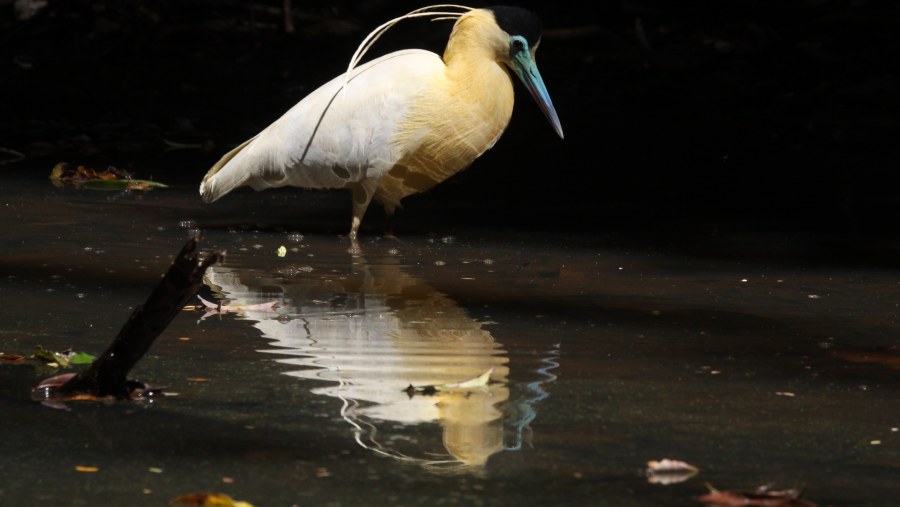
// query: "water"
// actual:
[[749, 356]]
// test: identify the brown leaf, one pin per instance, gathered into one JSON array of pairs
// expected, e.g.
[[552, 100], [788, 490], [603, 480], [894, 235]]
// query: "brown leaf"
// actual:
[[762, 497], [887, 357], [12, 358], [208, 500]]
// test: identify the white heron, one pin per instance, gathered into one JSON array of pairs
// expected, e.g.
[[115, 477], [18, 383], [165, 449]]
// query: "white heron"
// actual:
[[402, 123]]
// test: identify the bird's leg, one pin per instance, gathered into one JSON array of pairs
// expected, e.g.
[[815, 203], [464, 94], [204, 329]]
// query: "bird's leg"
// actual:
[[389, 210], [363, 191]]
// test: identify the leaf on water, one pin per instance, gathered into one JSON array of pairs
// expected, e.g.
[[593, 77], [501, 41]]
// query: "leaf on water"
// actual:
[[86, 469], [762, 497], [12, 359], [888, 356], [669, 471], [479, 382], [122, 184], [81, 358], [220, 308], [209, 500], [110, 179], [44, 355], [62, 359]]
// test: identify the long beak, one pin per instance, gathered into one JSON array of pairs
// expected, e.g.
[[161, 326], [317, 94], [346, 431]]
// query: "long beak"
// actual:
[[527, 71]]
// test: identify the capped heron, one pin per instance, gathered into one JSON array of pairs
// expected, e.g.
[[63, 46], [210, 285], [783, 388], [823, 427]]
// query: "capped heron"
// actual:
[[401, 123]]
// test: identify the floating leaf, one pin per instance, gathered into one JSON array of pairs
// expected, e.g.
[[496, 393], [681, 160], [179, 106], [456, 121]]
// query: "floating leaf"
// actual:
[[479, 382], [669, 471], [209, 500], [12, 358], [887, 356], [44, 355], [122, 184], [62, 359], [762, 497], [220, 308], [110, 179], [86, 469], [81, 358]]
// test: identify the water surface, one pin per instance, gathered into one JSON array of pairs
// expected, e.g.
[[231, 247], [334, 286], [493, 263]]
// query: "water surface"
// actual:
[[750, 356]]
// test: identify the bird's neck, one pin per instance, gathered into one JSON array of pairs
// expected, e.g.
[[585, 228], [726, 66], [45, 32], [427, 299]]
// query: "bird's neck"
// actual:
[[467, 55]]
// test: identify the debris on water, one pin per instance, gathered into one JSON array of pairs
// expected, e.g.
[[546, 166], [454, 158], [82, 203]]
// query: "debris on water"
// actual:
[[86, 469], [111, 179], [187, 223], [12, 359], [107, 376], [762, 497], [669, 471], [295, 237], [214, 308], [209, 499], [282, 251], [886, 356], [448, 239], [439, 263], [294, 270], [61, 359], [393, 251], [479, 382]]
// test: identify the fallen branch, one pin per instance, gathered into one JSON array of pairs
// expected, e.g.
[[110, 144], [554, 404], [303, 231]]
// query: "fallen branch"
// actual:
[[107, 375]]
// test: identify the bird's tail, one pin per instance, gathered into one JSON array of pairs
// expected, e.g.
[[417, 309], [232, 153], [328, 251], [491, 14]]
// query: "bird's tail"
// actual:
[[224, 177]]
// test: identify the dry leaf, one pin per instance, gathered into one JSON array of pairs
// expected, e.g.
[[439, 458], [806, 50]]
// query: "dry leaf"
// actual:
[[212, 308], [12, 358], [762, 497], [669, 471], [110, 179], [209, 500], [479, 382]]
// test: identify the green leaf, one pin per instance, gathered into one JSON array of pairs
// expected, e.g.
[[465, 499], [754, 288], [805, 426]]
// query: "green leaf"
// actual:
[[81, 358], [44, 355]]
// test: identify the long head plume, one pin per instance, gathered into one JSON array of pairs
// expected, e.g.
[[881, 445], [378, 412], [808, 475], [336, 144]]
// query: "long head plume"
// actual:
[[435, 12]]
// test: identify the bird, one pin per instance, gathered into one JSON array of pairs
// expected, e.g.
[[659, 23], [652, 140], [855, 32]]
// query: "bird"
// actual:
[[401, 123]]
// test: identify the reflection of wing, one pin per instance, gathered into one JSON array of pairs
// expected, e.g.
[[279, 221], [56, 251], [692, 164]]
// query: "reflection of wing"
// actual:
[[372, 338]]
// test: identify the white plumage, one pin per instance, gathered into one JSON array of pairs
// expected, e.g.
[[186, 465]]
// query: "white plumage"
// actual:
[[350, 141], [397, 125]]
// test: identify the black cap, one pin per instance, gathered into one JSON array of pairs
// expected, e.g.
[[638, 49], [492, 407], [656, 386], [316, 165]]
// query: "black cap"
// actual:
[[518, 21]]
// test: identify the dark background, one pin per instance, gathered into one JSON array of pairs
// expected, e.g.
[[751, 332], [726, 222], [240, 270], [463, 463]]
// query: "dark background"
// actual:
[[765, 114]]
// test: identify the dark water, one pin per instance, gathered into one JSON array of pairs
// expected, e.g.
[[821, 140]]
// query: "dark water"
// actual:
[[746, 355]]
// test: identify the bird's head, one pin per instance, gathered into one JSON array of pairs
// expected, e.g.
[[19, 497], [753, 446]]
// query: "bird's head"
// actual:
[[515, 36]]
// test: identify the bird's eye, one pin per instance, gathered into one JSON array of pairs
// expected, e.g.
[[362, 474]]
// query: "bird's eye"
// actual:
[[518, 44]]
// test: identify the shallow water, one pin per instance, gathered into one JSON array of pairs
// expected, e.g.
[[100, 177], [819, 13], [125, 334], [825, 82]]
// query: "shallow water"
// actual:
[[750, 356]]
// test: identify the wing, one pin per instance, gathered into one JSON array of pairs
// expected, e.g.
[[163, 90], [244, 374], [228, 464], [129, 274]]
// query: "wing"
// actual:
[[331, 138]]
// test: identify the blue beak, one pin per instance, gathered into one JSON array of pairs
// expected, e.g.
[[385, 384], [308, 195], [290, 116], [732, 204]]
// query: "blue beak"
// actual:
[[527, 71]]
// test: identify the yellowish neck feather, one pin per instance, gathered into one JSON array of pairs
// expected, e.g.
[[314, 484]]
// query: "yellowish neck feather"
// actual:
[[457, 118]]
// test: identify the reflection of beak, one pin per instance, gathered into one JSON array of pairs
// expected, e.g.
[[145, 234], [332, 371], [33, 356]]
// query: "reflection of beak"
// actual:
[[527, 71]]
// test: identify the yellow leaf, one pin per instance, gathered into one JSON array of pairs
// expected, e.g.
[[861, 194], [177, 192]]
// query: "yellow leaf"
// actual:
[[209, 500]]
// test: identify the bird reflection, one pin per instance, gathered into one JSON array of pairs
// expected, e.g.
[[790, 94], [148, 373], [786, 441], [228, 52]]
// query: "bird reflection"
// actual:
[[369, 334]]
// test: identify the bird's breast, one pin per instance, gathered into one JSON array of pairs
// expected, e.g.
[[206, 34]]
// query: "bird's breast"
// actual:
[[456, 119]]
